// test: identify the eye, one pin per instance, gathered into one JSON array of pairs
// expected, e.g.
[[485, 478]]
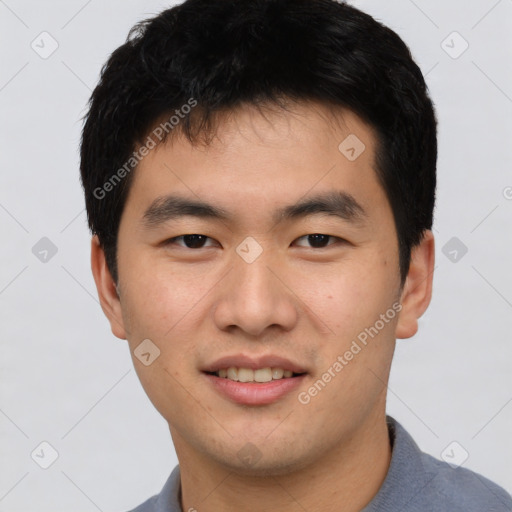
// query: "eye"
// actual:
[[198, 241], [319, 240], [193, 241]]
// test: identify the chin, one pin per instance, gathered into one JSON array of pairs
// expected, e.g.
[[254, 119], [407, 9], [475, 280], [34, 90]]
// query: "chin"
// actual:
[[263, 466]]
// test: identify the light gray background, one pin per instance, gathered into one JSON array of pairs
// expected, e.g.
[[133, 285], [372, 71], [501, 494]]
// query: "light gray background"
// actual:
[[66, 380]]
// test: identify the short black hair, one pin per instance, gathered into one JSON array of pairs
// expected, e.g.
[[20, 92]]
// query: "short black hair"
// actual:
[[218, 55]]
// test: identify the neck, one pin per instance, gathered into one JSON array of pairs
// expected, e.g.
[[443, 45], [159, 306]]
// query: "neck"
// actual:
[[346, 478]]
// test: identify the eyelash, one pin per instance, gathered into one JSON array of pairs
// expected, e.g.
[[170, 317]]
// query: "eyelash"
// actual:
[[173, 240]]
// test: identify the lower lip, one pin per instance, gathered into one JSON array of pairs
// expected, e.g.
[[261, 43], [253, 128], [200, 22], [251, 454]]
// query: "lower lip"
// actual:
[[255, 393]]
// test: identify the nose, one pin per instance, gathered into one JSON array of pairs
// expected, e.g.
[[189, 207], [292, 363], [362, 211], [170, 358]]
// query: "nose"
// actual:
[[255, 296]]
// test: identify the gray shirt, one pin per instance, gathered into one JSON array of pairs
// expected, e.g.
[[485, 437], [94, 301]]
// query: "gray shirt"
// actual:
[[415, 482]]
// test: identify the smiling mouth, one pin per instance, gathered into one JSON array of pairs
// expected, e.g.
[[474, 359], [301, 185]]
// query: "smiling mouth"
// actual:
[[259, 375]]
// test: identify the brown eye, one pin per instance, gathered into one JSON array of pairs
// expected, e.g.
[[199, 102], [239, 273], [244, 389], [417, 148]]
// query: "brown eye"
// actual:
[[319, 240], [193, 241]]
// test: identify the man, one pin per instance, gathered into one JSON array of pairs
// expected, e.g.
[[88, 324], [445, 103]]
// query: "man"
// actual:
[[260, 182]]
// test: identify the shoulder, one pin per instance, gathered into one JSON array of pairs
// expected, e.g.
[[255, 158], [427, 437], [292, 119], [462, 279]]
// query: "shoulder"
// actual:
[[148, 506], [460, 489], [168, 500], [418, 482]]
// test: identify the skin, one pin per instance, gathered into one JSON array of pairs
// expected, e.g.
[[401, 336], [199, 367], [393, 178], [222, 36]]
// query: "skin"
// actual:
[[295, 300]]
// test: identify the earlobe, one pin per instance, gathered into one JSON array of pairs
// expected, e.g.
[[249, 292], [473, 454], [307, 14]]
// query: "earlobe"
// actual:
[[107, 291], [417, 290]]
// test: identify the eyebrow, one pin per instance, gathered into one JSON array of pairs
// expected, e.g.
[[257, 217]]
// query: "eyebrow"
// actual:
[[333, 203]]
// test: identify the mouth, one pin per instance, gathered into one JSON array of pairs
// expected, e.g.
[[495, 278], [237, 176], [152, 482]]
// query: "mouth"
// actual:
[[252, 380], [254, 387], [259, 375]]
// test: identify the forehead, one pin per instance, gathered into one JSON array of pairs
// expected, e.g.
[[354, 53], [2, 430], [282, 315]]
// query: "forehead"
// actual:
[[262, 160]]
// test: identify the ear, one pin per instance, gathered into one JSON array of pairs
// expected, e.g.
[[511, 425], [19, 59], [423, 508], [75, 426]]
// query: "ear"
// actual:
[[417, 290], [107, 293]]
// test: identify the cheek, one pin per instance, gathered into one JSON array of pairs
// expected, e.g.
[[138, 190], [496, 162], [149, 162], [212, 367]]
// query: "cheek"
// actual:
[[353, 298], [162, 307], [160, 298]]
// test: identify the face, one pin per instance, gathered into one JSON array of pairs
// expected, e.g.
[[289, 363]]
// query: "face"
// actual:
[[289, 263]]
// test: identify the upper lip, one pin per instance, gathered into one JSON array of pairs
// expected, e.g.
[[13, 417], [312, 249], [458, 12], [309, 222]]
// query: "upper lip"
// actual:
[[254, 363]]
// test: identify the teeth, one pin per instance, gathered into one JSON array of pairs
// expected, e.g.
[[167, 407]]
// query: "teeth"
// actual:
[[277, 373], [249, 375], [232, 374], [245, 375], [263, 375]]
